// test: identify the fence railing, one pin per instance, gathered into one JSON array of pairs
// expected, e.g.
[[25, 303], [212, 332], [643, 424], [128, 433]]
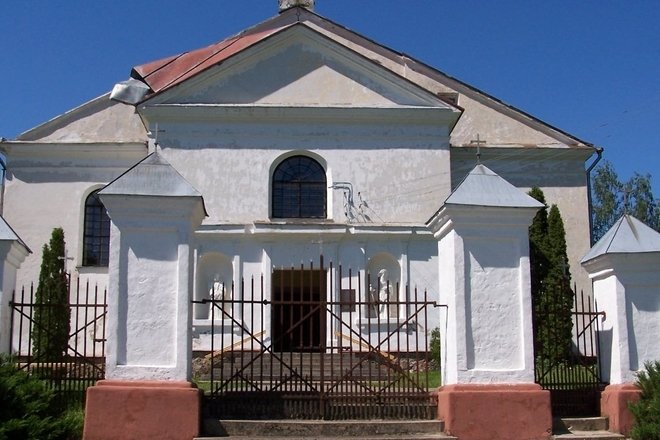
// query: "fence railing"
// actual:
[[82, 361], [567, 364], [318, 343]]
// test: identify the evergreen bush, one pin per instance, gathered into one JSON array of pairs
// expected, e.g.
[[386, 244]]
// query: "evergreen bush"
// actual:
[[552, 296], [647, 410], [28, 410], [435, 347], [52, 315]]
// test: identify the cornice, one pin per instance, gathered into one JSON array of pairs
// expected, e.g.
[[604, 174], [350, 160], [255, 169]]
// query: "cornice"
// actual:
[[272, 113]]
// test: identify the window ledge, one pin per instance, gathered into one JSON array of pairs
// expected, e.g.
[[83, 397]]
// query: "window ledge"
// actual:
[[92, 269]]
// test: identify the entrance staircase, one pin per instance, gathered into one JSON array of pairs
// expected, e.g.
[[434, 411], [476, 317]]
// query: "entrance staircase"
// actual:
[[316, 429], [589, 428]]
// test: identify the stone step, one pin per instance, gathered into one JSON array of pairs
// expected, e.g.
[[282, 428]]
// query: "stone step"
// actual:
[[305, 429], [589, 435], [563, 424], [261, 366], [583, 428], [440, 436]]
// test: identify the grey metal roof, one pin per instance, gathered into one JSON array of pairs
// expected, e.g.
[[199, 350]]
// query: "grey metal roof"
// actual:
[[483, 187], [153, 176], [627, 236], [7, 233]]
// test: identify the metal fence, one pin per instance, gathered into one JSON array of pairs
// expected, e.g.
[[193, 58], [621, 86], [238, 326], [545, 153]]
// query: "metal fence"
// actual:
[[82, 363], [573, 378], [305, 347]]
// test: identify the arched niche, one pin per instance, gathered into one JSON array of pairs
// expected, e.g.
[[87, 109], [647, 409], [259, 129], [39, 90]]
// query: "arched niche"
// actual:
[[384, 275], [215, 275]]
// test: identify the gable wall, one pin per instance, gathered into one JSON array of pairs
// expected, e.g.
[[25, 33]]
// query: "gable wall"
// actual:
[[100, 120]]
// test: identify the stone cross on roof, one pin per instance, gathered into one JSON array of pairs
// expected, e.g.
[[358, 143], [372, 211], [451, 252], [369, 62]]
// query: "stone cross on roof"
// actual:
[[478, 142], [286, 4]]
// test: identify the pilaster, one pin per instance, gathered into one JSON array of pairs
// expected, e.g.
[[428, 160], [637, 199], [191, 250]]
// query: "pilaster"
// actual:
[[12, 253], [154, 213]]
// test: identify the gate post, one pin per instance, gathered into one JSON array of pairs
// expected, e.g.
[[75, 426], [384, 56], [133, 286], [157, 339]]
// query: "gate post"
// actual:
[[488, 389], [147, 392], [12, 254], [623, 267]]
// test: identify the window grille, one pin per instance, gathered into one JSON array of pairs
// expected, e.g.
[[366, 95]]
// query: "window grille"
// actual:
[[299, 189], [96, 236]]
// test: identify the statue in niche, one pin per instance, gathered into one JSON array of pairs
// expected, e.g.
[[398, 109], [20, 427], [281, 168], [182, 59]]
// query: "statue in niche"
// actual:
[[382, 295], [217, 293]]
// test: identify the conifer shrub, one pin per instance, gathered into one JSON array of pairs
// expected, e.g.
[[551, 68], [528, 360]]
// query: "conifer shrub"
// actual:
[[28, 409], [647, 410], [552, 296], [434, 346], [52, 315]]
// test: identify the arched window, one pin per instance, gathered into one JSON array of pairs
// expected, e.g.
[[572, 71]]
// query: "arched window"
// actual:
[[96, 236], [299, 189]]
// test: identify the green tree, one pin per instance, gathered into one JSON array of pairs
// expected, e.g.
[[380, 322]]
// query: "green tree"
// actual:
[[558, 285], [52, 314], [612, 198], [552, 296], [538, 232]]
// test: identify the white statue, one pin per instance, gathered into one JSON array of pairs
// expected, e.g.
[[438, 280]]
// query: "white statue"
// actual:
[[383, 296], [217, 292]]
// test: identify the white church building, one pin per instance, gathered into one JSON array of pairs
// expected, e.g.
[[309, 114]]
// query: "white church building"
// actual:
[[241, 166], [303, 139]]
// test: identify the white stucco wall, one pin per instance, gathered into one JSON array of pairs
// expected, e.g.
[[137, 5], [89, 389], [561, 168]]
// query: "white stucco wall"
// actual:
[[401, 172], [12, 254], [46, 188], [484, 280], [97, 121], [268, 248], [149, 301]]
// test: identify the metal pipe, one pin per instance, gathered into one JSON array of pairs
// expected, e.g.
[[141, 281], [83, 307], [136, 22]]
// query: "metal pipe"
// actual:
[[3, 172], [599, 152]]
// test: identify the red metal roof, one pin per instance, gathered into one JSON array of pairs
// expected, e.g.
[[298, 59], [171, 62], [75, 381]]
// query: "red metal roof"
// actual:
[[163, 74]]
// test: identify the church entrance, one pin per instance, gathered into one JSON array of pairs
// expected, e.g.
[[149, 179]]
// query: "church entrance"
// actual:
[[306, 342], [298, 309]]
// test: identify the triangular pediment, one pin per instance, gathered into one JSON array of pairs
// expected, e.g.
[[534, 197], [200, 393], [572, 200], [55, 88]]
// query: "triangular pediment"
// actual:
[[299, 67]]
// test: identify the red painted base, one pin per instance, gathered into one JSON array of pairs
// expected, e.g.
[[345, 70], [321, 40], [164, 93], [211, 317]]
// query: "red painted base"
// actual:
[[496, 412], [614, 405], [142, 410]]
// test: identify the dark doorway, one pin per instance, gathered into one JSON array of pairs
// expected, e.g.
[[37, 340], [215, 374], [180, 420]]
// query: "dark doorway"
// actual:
[[297, 313]]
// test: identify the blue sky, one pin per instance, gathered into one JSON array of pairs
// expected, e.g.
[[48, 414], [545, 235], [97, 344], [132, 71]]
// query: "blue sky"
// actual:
[[588, 67]]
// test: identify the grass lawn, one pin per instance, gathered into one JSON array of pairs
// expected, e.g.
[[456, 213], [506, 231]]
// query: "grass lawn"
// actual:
[[433, 381]]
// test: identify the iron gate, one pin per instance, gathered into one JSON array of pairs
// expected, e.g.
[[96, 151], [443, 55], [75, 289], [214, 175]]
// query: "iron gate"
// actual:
[[294, 353], [82, 362], [574, 378]]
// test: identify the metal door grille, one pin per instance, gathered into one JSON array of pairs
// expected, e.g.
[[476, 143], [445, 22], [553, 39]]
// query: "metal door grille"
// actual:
[[316, 350]]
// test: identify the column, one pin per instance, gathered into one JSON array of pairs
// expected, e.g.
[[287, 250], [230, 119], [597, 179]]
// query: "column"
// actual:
[[147, 392], [623, 267], [488, 389], [12, 254]]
